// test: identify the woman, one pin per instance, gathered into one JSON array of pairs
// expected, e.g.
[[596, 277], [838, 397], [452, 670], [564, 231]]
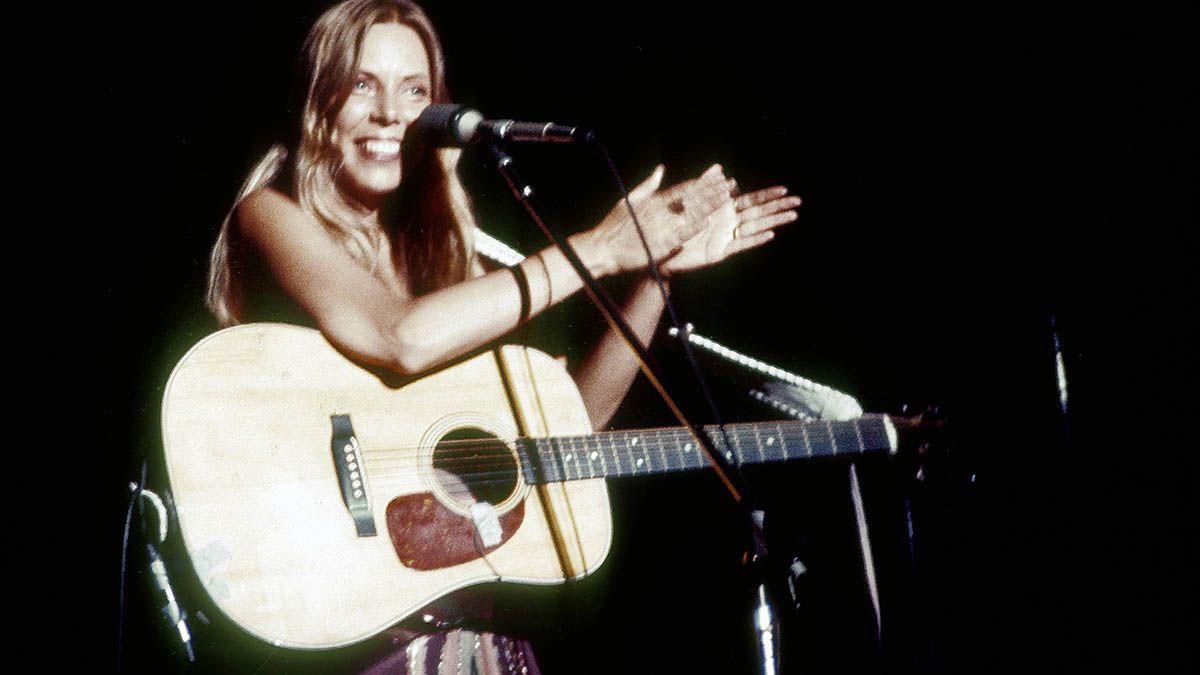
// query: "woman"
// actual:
[[338, 233]]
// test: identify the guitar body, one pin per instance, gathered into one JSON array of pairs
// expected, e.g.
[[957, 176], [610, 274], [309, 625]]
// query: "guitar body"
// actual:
[[252, 459]]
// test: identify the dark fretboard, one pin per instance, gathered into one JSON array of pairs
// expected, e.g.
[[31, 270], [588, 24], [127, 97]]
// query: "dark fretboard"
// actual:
[[650, 451]]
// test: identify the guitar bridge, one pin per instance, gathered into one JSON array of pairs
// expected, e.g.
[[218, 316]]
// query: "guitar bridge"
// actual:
[[348, 464]]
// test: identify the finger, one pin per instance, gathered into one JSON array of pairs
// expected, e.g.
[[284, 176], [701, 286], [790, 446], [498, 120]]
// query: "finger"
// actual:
[[769, 208], [763, 196], [746, 243], [713, 176], [648, 186], [707, 195], [766, 223]]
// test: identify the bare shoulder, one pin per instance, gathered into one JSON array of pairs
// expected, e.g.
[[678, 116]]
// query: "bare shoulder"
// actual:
[[268, 210]]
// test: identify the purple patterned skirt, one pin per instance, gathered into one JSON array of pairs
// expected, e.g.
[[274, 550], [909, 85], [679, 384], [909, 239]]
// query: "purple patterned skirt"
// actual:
[[458, 652]]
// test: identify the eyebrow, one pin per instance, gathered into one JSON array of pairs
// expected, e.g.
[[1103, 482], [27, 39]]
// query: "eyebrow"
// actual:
[[407, 78]]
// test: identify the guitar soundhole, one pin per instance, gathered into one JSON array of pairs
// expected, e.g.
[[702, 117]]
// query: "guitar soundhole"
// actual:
[[475, 466]]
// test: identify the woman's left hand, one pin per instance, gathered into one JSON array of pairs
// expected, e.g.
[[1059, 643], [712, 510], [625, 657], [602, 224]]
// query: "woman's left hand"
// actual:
[[744, 222]]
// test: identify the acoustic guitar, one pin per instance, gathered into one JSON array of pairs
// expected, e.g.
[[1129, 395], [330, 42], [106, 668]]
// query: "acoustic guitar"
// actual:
[[320, 503]]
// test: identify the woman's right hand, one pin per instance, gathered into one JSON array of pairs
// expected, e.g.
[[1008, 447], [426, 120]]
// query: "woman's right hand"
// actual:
[[669, 217]]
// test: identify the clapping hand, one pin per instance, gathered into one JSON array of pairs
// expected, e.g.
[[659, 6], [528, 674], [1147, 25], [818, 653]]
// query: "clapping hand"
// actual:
[[740, 223]]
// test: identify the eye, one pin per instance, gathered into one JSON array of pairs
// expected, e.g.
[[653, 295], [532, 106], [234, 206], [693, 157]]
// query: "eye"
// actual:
[[362, 85], [418, 91]]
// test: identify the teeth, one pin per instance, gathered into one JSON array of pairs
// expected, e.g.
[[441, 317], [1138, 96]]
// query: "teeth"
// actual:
[[382, 147]]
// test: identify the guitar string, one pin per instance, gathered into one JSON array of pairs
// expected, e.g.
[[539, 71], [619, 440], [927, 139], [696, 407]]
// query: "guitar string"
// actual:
[[466, 453], [470, 452], [492, 468], [670, 433]]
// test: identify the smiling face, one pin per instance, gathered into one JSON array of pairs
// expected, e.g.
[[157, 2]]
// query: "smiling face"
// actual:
[[389, 89]]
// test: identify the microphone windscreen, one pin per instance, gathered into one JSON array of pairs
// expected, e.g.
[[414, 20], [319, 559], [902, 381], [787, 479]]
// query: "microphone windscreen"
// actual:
[[444, 124]]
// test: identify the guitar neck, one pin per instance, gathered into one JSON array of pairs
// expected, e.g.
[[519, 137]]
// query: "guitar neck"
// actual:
[[653, 451]]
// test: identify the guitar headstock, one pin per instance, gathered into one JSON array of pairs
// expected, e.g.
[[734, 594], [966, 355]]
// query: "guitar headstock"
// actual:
[[925, 437]]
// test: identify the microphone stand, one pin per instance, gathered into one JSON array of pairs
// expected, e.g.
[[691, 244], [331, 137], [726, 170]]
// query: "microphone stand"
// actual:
[[765, 621]]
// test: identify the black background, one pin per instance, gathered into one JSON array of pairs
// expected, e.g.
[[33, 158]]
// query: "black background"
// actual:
[[967, 175]]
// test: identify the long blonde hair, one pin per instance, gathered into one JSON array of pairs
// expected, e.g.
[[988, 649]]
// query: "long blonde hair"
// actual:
[[429, 222]]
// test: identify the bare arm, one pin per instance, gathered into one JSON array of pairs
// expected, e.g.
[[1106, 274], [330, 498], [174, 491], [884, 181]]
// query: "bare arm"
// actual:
[[605, 375], [381, 324], [737, 225]]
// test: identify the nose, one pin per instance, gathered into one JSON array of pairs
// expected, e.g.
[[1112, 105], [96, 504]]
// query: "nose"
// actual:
[[387, 112], [391, 110]]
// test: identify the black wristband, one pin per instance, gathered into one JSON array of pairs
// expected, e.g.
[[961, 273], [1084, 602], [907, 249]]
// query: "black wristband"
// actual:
[[523, 288]]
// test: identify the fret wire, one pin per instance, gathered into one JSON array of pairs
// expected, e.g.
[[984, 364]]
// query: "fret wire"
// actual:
[[782, 441], [661, 449], [616, 449], [737, 449], [762, 457], [569, 456], [678, 447], [664, 451], [832, 440], [540, 464], [572, 458], [603, 461], [575, 460], [671, 439], [632, 449], [849, 437], [587, 449], [540, 448], [557, 458], [559, 461], [646, 454], [650, 438], [525, 460], [616, 458], [807, 441], [862, 446], [600, 438], [560, 469], [584, 454], [687, 447]]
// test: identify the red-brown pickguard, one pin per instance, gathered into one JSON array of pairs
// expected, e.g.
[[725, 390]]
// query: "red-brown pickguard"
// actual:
[[429, 536]]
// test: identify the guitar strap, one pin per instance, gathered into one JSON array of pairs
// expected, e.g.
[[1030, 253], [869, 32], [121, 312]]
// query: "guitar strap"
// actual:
[[526, 429]]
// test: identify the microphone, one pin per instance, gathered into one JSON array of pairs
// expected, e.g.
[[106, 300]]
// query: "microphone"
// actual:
[[454, 125], [170, 606]]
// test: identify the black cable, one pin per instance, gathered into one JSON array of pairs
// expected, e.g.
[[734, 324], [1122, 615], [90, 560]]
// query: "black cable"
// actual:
[[662, 289], [135, 498]]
